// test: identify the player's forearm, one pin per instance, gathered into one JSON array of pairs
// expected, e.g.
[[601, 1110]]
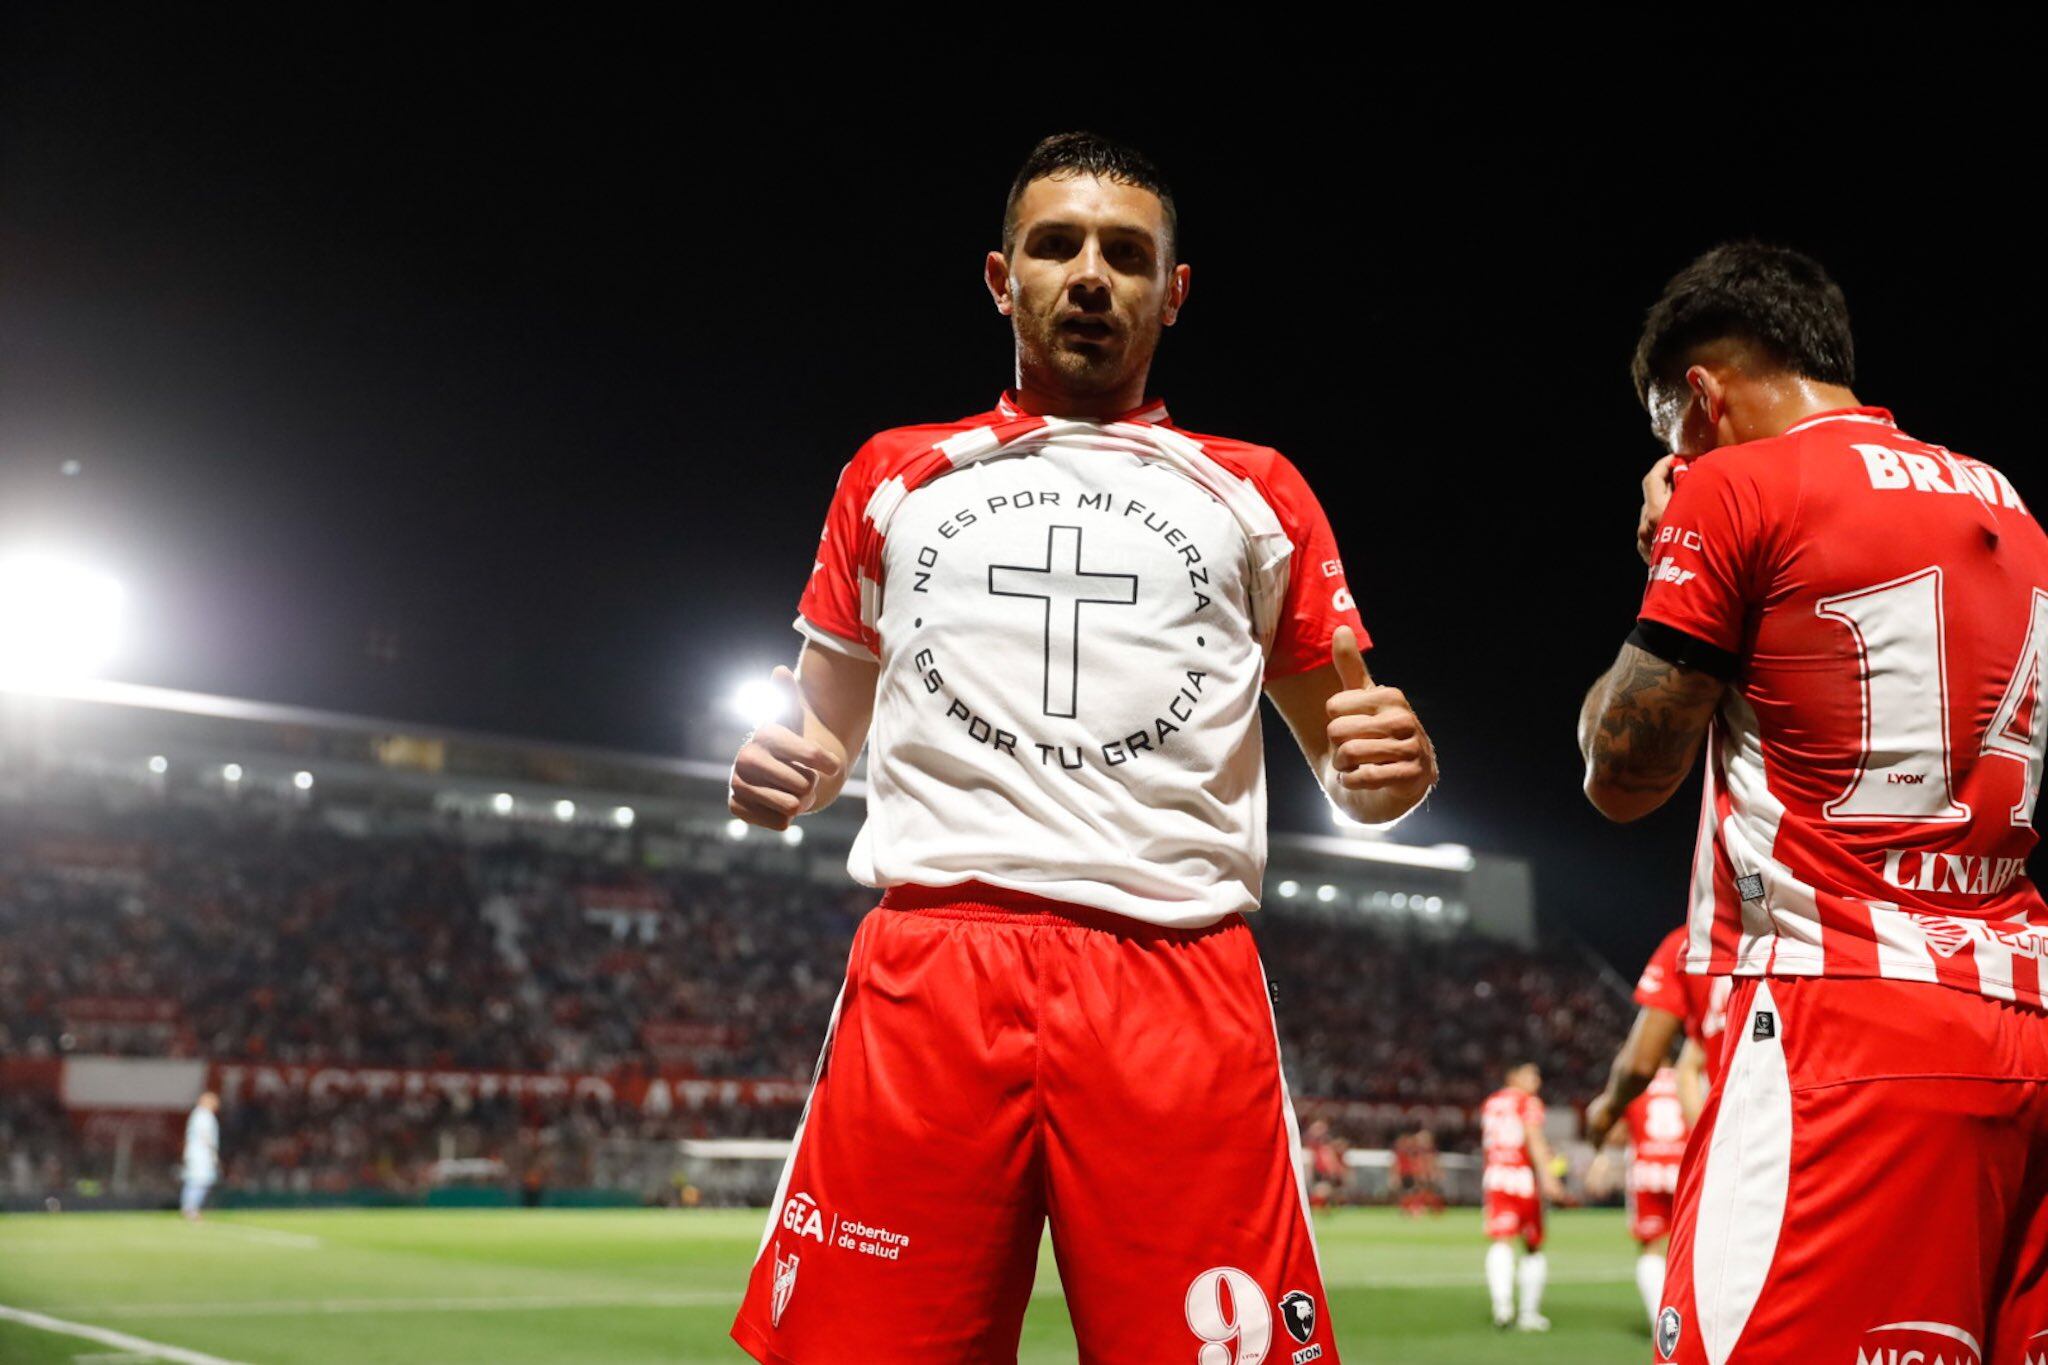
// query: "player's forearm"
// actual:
[[1639, 729]]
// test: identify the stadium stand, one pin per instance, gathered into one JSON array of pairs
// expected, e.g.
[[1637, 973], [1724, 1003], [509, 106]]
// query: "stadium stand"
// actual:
[[395, 999]]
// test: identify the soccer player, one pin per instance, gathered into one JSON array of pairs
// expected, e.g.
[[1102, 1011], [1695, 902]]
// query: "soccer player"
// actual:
[[1672, 1002], [1655, 1127], [1852, 621], [1517, 1179], [1060, 615], [202, 1155]]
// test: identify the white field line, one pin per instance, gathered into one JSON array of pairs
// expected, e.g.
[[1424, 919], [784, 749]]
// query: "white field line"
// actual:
[[303, 1241], [152, 1350], [705, 1298]]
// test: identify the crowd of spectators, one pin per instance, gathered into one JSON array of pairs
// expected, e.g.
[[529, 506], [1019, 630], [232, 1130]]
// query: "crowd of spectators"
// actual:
[[265, 934]]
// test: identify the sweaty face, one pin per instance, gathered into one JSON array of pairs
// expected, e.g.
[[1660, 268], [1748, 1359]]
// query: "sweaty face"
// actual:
[[1678, 418], [1089, 282]]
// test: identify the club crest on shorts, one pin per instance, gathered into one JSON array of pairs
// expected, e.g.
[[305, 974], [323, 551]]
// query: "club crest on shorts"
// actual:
[[785, 1285], [1298, 1311], [1669, 1325]]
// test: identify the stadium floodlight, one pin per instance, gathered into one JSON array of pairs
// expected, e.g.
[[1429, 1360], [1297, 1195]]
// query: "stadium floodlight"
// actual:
[[1434, 904], [60, 621], [793, 836], [735, 829], [303, 781], [758, 701], [1400, 900], [1326, 893], [1289, 890], [623, 817], [231, 772], [565, 810], [159, 765], [502, 803]]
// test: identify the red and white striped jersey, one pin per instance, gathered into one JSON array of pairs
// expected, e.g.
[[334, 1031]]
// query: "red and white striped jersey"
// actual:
[[1881, 606], [1701, 1001], [1075, 622], [1657, 1132], [1505, 1122]]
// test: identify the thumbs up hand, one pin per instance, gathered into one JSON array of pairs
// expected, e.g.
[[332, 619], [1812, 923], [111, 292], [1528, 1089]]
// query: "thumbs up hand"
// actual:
[[1376, 744], [775, 777]]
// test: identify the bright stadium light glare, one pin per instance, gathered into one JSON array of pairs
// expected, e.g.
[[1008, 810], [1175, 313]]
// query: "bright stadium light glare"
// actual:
[[757, 701], [1400, 900], [623, 817], [303, 781], [159, 765], [231, 772], [1326, 893], [565, 810], [502, 803], [735, 830], [1289, 890], [793, 836], [60, 621]]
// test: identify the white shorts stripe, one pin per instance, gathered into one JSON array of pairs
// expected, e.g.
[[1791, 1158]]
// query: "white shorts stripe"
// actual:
[[1745, 1183]]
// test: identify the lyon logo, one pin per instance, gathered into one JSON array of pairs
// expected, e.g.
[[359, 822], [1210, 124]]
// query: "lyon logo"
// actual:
[[800, 1216], [785, 1285], [1919, 1343], [1669, 1325], [1298, 1311]]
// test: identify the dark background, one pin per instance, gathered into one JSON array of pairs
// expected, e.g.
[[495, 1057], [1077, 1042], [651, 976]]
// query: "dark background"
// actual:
[[498, 376]]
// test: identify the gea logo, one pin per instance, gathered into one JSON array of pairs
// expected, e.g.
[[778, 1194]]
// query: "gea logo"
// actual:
[[1919, 1343], [800, 1215]]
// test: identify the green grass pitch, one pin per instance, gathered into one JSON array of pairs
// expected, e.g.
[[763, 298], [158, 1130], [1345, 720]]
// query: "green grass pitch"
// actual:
[[609, 1287]]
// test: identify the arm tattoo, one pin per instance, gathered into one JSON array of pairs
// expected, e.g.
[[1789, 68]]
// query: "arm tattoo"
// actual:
[[1643, 722]]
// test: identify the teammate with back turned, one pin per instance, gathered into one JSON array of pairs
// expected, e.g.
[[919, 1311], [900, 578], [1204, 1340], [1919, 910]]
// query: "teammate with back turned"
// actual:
[[1059, 616], [1515, 1182], [1853, 621]]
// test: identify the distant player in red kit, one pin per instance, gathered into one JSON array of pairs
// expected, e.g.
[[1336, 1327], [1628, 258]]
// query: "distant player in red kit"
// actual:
[[1853, 622], [1059, 616], [1674, 1004], [1517, 1179], [1656, 1127]]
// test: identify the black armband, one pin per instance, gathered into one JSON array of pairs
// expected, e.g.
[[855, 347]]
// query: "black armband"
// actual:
[[1674, 646]]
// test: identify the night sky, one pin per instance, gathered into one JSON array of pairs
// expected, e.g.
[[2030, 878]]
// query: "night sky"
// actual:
[[500, 378]]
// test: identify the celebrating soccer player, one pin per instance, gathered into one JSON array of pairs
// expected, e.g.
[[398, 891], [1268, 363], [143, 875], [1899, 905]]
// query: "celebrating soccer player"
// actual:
[[1673, 1002], [1853, 621], [1052, 622], [1516, 1181]]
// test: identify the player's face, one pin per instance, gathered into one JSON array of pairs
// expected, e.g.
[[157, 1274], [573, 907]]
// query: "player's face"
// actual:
[[1680, 420], [1089, 285]]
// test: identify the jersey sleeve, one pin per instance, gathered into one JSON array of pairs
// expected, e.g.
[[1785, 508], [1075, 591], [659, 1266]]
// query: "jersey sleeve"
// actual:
[[1662, 985], [1709, 569], [828, 614], [1318, 598]]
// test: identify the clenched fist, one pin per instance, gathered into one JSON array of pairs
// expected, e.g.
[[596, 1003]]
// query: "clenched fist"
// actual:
[[775, 777], [1376, 743]]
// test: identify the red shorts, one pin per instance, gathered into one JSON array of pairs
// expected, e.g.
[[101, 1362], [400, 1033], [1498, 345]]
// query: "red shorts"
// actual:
[[1870, 1179], [1649, 1214], [1511, 1213], [998, 1061]]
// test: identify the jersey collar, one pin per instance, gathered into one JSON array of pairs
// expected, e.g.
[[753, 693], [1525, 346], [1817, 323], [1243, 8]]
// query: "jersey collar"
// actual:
[[1875, 416], [1152, 411]]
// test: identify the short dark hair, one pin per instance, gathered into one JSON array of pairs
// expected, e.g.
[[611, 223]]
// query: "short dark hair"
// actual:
[[1777, 300], [1091, 154]]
